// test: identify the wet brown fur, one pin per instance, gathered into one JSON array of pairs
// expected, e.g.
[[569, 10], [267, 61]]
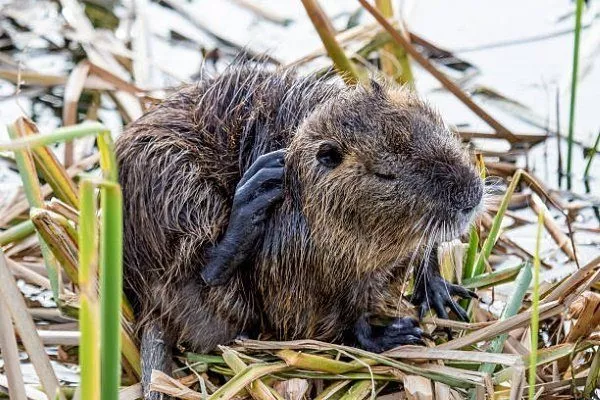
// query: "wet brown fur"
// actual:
[[334, 244]]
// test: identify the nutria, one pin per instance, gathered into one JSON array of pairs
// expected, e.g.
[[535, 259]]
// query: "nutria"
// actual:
[[261, 201]]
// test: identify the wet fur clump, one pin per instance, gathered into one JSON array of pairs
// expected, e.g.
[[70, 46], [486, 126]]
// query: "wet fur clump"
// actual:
[[372, 178]]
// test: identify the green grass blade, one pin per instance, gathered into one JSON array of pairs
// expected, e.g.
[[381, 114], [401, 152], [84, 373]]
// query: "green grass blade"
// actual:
[[535, 316], [574, 77], [490, 241], [593, 152]]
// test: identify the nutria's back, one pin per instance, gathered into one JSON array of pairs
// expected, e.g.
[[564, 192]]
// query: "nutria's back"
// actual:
[[180, 163]]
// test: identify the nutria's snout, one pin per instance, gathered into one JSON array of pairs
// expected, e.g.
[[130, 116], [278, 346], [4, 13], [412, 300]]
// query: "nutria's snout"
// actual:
[[471, 205]]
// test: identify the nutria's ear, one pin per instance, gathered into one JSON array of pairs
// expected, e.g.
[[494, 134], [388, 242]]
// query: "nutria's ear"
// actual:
[[377, 88], [329, 154]]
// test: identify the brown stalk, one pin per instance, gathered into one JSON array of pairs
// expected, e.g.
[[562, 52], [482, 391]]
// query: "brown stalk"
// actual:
[[10, 355], [11, 296], [562, 240], [73, 89], [501, 131], [327, 34]]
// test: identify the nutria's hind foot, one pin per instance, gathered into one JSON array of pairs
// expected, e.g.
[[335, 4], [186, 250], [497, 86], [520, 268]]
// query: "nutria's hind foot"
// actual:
[[436, 293], [258, 190], [399, 332], [155, 355]]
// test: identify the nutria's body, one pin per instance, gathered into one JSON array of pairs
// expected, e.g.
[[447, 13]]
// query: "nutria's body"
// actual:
[[370, 176]]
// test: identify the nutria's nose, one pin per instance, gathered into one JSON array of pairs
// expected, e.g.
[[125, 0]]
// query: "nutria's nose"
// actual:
[[473, 197]]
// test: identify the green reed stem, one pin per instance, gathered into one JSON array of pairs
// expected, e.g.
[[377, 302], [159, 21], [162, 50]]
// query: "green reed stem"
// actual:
[[111, 288], [59, 135], [593, 152], [535, 316], [33, 193], [89, 324], [17, 232], [593, 379], [574, 76], [325, 30]]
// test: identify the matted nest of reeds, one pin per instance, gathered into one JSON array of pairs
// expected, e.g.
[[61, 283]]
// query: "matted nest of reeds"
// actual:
[[470, 364]]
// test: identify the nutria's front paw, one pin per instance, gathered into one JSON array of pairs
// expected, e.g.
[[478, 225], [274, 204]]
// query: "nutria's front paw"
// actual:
[[258, 190], [436, 293], [399, 332]]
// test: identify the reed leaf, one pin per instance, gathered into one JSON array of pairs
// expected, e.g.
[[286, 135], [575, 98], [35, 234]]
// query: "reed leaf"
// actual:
[[314, 362], [257, 389], [333, 391], [592, 382], [492, 278], [245, 377], [512, 308], [17, 232], [360, 390]]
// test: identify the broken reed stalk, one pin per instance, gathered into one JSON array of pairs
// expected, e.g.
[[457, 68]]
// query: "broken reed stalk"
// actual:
[[344, 66], [501, 131], [574, 77]]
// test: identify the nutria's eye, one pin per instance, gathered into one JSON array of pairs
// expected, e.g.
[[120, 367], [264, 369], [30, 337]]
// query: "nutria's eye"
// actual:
[[385, 177], [330, 155]]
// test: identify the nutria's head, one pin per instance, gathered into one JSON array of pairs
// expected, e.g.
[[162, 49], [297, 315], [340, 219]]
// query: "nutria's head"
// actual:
[[378, 170]]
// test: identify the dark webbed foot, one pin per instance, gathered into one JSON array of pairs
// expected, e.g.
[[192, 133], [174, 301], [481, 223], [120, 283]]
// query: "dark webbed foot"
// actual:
[[258, 190], [399, 332], [436, 293]]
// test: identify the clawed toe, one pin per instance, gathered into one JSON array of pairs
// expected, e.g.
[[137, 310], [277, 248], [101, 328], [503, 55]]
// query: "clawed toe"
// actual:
[[437, 294], [401, 331]]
